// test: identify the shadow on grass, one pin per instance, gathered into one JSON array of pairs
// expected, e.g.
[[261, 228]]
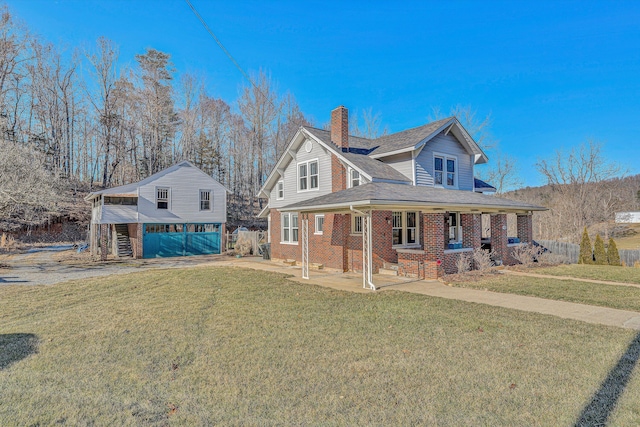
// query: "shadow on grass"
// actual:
[[15, 347], [603, 402]]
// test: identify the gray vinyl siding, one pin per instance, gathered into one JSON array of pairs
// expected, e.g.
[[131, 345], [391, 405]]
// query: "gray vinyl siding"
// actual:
[[184, 198], [291, 194], [445, 144], [184, 183], [402, 163]]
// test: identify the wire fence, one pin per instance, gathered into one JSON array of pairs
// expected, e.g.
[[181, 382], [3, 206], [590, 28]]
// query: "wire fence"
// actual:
[[572, 251]]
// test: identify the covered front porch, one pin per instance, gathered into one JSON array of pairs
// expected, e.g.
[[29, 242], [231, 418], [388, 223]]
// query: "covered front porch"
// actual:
[[422, 230]]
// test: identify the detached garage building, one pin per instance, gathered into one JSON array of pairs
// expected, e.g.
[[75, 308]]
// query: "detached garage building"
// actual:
[[178, 211]]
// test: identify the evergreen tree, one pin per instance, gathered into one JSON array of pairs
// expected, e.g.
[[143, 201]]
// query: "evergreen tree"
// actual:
[[598, 251], [586, 253], [612, 253]]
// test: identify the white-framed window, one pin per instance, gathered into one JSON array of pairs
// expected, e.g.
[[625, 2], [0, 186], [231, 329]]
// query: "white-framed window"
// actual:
[[205, 200], [290, 228], [162, 198], [455, 230], [404, 228], [356, 224], [354, 178], [445, 170], [280, 190], [319, 224], [308, 178]]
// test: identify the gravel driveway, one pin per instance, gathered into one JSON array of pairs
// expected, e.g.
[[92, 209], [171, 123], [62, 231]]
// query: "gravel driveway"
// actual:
[[49, 268]]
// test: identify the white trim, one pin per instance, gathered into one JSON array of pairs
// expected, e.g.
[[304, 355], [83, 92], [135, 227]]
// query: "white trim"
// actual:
[[157, 188], [353, 231], [445, 157], [404, 229], [458, 227], [290, 228], [308, 177], [278, 190], [206, 190], [350, 172], [315, 224]]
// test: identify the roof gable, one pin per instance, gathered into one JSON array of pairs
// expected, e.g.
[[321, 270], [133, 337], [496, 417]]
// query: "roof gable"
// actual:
[[132, 188]]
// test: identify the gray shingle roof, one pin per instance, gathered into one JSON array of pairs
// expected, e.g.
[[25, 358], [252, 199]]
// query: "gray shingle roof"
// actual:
[[406, 138], [354, 141], [381, 193], [481, 185], [375, 168]]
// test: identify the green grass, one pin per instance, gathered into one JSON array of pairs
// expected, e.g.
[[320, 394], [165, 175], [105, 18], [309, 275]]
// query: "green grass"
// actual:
[[240, 347], [613, 296], [596, 272]]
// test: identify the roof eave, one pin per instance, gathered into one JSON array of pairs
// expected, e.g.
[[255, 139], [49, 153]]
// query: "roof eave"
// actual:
[[435, 206]]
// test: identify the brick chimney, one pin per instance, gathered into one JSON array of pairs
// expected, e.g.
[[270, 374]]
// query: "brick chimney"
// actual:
[[340, 127]]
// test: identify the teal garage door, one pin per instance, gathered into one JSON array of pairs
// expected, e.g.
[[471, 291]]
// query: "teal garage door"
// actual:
[[168, 240]]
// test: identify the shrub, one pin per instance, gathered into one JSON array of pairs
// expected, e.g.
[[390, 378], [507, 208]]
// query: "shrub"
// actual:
[[482, 259], [612, 253], [243, 246], [549, 258], [598, 251], [586, 253], [525, 254], [463, 263]]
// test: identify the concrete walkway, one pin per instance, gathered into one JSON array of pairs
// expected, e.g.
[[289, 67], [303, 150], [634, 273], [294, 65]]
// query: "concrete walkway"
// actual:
[[547, 276], [352, 282]]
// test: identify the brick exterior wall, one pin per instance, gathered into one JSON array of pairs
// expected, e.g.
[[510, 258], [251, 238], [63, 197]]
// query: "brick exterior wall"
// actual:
[[338, 175], [471, 230], [499, 237], [104, 241], [336, 247], [525, 228], [340, 127], [424, 263], [135, 237]]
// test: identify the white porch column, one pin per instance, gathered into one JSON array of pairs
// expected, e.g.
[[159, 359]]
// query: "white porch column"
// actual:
[[305, 245], [367, 263]]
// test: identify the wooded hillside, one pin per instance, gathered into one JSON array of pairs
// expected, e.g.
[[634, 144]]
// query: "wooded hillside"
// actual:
[[81, 120]]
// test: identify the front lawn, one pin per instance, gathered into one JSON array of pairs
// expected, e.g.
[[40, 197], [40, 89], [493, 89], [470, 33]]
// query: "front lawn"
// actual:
[[214, 346], [595, 272], [613, 296]]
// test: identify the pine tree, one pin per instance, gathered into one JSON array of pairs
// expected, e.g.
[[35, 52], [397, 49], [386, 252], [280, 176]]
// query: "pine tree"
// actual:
[[598, 251], [612, 253], [586, 253]]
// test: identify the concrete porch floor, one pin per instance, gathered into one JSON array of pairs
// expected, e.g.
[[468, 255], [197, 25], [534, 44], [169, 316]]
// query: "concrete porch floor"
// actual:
[[352, 282]]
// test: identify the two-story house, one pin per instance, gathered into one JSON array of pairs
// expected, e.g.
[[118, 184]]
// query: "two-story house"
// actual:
[[409, 198], [176, 212]]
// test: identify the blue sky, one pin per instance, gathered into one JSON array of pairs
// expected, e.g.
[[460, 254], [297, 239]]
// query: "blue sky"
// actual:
[[551, 74]]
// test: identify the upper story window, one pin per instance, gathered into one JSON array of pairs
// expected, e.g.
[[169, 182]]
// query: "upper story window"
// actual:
[[162, 198], [354, 178], [280, 190], [445, 171], [404, 228], [205, 200], [308, 175]]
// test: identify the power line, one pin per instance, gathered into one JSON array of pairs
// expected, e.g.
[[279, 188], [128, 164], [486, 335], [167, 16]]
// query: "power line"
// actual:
[[231, 58]]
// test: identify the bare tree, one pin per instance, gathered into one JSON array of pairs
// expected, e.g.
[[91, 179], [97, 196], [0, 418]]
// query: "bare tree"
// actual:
[[583, 191], [28, 191], [502, 173]]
